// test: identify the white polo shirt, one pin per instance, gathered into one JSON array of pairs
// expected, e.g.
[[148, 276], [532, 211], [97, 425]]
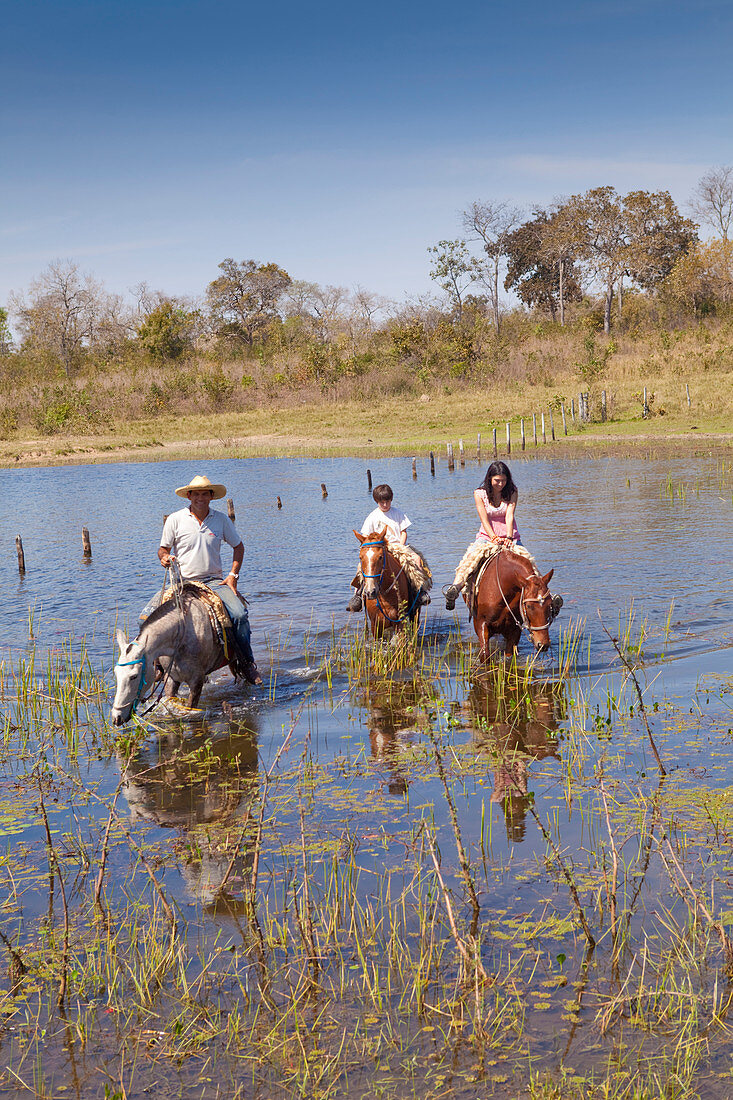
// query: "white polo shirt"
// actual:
[[197, 545], [393, 519]]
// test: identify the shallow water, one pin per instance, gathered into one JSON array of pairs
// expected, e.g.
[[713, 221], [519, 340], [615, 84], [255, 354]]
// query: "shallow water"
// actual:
[[362, 755]]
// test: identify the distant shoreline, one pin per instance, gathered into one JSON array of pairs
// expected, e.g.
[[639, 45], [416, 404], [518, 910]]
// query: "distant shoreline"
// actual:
[[314, 438]]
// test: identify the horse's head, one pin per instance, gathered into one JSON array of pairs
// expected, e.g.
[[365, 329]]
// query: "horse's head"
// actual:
[[134, 675], [537, 609], [371, 559]]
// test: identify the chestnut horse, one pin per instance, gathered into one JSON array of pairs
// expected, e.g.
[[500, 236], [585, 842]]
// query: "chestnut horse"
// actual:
[[389, 598], [511, 596]]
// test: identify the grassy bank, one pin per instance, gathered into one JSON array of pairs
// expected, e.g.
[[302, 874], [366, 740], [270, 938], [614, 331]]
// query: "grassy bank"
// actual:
[[409, 426], [135, 410]]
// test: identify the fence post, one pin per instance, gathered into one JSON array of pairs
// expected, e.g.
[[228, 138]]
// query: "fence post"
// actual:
[[86, 542], [414, 469], [645, 407], [324, 491], [552, 425], [495, 450], [230, 509], [279, 503], [461, 453], [451, 463], [544, 436], [478, 446], [432, 464], [687, 391], [508, 438], [521, 430], [572, 409], [21, 554], [603, 406], [564, 421], [369, 480]]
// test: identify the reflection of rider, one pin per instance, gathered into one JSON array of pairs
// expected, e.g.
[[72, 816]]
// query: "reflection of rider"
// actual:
[[203, 786], [194, 536]]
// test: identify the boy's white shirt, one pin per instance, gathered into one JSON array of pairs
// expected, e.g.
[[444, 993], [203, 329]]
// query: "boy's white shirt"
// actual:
[[394, 520]]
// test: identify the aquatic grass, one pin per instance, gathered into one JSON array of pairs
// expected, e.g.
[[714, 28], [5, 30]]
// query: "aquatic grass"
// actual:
[[325, 957]]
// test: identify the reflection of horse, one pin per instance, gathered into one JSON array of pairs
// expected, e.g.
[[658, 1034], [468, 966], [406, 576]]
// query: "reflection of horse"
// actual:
[[178, 643], [203, 786], [511, 595], [515, 724], [396, 708], [389, 597]]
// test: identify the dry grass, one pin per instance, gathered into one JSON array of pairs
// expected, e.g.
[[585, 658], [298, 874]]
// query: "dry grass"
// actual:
[[387, 407]]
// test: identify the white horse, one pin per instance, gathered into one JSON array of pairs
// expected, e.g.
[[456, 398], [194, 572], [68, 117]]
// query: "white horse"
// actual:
[[178, 644]]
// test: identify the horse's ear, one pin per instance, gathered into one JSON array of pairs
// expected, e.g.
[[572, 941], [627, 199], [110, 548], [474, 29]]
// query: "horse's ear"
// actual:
[[359, 536], [547, 578], [121, 640]]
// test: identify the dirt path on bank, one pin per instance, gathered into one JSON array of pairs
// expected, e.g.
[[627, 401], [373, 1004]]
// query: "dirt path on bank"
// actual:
[[591, 442]]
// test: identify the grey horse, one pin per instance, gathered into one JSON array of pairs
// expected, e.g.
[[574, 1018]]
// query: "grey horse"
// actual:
[[176, 644]]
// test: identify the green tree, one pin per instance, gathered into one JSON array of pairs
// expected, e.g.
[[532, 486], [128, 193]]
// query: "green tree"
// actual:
[[540, 267], [638, 237], [168, 330], [244, 298], [453, 269]]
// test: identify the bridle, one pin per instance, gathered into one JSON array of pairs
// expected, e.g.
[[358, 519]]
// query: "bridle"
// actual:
[[177, 584], [523, 622], [378, 578]]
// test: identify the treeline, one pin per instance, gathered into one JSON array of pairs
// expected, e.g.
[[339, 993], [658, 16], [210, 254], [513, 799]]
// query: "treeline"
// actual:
[[585, 271]]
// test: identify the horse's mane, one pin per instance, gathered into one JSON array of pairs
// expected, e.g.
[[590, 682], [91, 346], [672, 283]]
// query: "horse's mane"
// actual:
[[188, 595]]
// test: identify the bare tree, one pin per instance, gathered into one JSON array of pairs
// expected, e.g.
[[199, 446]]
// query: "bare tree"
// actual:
[[491, 223], [319, 307], [65, 311], [365, 305], [712, 202]]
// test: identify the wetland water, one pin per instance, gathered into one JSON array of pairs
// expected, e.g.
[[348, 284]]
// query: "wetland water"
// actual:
[[324, 940]]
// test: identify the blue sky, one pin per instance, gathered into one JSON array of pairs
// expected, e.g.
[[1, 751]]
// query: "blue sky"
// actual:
[[148, 141]]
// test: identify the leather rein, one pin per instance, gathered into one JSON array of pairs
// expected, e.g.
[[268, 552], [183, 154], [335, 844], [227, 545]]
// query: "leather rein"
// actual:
[[378, 578], [523, 623]]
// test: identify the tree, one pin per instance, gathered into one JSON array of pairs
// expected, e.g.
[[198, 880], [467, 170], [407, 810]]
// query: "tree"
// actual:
[[703, 277], [712, 202], [168, 330], [64, 312], [657, 236], [318, 307], [244, 299], [491, 223], [454, 270], [639, 237], [540, 265], [6, 339]]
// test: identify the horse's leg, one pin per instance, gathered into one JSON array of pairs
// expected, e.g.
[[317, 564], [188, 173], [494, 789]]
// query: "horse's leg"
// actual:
[[195, 687]]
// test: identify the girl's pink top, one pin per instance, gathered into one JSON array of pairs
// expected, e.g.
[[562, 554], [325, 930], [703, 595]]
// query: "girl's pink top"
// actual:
[[497, 519]]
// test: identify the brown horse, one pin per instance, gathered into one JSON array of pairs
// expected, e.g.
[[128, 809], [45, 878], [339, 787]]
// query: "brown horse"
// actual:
[[389, 599], [513, 596]]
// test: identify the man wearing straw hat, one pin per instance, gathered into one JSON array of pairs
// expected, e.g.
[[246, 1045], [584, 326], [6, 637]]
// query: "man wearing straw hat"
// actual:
[[194, 536]]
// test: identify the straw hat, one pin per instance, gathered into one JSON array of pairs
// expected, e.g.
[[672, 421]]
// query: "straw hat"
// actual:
[[200, 482]]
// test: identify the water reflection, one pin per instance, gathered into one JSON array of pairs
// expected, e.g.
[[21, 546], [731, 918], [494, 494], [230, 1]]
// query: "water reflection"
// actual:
[[396, 710], [515, 724], [202, 783]]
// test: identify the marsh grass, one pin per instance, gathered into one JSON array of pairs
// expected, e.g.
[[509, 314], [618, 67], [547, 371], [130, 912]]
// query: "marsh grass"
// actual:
[[388, 921]]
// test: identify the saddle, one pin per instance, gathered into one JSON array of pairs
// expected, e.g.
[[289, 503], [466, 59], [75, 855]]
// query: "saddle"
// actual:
[[221, 624]]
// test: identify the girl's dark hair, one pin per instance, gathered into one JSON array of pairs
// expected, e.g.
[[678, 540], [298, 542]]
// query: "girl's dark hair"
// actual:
[[382, 492], [494, 469]]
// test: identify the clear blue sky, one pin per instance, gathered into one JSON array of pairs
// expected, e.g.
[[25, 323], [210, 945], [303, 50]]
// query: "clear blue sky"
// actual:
[[147, 141]]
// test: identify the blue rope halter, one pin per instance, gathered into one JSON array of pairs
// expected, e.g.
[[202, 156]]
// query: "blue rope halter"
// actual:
[[378, 577], [141, 685]]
